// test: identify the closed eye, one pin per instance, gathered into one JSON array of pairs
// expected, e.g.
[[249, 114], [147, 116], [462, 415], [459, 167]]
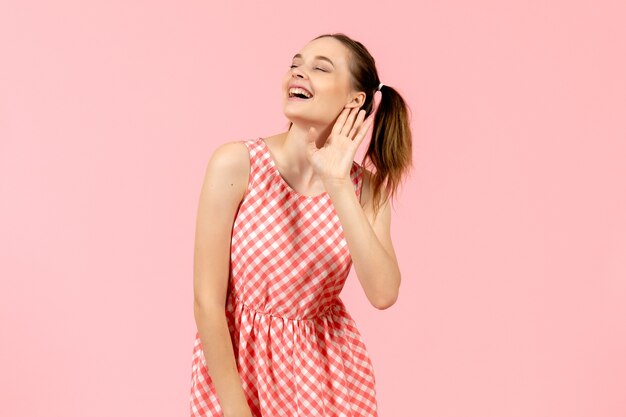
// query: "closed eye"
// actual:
[[317, 68]]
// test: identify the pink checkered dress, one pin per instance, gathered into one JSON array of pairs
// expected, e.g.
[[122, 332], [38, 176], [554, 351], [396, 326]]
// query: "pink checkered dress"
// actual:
[[298, 350]]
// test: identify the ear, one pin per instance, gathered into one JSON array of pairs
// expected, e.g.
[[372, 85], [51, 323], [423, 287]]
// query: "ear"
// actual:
[[357, 100]]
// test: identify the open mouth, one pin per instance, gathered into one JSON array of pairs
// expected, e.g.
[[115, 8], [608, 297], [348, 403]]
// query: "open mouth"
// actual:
[[299, 93]]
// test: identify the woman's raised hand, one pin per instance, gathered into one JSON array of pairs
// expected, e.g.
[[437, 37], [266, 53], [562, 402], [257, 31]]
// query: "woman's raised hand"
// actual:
[[333, 161]]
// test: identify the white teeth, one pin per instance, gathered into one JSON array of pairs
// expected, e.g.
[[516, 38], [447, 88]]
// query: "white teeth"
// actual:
[[296, 90]]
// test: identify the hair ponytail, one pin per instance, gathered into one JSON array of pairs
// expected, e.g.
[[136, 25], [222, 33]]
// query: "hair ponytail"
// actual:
[[390, 149]]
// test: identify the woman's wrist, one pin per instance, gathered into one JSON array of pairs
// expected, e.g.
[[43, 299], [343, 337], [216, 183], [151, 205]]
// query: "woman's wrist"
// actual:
[[336, 185]]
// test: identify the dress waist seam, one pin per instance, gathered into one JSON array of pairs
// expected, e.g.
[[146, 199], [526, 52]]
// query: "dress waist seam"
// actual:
[[327, 311]]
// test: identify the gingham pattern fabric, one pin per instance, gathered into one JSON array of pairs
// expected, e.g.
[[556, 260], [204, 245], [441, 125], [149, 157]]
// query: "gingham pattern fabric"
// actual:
[[298, 350]]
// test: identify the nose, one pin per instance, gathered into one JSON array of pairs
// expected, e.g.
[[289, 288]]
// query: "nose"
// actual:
[[297, 72]]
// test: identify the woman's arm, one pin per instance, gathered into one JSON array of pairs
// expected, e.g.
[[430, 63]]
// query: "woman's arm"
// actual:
[[369, 240], [224, 185]]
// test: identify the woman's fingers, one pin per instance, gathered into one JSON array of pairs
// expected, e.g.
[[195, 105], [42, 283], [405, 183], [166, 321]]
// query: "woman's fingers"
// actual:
[[338, 126], [357, 123], [347, 127], [363, 130], [352, 124]]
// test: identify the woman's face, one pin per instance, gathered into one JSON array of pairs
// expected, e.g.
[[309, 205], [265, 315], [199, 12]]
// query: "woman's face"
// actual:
[[321, 67]]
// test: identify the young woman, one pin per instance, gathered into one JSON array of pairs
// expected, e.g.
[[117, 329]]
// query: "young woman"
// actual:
[[280, 222]]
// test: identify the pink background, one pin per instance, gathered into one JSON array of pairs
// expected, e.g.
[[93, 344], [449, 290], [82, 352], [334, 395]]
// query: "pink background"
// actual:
[[510, 231]]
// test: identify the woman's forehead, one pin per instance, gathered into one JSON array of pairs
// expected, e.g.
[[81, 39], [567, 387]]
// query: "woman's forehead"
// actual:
[[327, 47]]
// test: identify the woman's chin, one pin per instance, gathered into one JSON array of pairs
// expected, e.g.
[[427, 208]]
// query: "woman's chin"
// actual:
[[303, 116], [297, 116]]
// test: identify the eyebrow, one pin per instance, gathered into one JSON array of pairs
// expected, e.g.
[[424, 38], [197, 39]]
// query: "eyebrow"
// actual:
[[323, 58]]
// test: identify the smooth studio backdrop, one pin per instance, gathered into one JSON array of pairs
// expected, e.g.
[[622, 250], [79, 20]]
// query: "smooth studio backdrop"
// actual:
[[510, 231]]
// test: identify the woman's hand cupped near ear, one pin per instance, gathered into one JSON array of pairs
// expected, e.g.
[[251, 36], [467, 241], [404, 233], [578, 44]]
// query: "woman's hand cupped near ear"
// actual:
[[333, 161]]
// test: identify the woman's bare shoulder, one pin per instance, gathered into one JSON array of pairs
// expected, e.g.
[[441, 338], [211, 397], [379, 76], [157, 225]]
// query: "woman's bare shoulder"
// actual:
[[230, 152], [230, 162]]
